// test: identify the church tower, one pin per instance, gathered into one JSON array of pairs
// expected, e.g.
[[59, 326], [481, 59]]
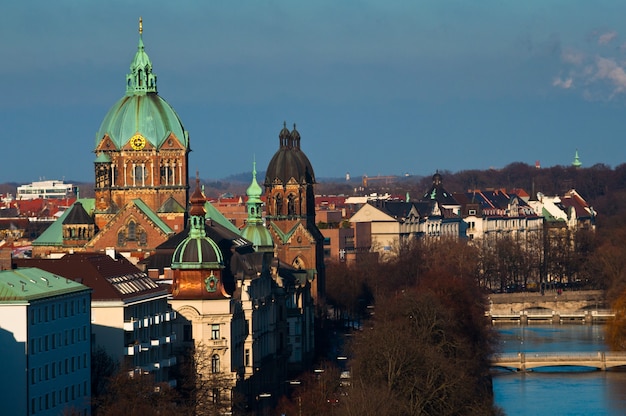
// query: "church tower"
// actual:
[[142, 150], [289, 189]]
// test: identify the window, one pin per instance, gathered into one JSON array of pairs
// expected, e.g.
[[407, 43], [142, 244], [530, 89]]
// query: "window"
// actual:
[[121, 239], [187, 333], [215, 395], [131, 231], [472, 212], [215, 363], [215, 331], [247, 363]]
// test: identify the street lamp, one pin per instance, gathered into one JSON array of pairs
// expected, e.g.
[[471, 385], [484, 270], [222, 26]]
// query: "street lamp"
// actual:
[[260, 404]]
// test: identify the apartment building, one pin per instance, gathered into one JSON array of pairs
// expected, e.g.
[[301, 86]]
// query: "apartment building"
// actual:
[[45, 327]]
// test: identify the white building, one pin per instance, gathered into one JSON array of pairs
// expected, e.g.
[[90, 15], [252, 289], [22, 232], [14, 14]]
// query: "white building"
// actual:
[[45, 326], [47, 190]]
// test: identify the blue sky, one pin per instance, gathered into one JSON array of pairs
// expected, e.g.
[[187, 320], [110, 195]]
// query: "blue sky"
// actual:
[[375, 87]]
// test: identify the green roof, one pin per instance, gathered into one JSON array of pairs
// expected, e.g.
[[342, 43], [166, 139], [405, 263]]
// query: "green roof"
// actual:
[[102, 158], [141, 110], [148, 115], [53, 235], [218, 217], [153, 216], [26, 284]]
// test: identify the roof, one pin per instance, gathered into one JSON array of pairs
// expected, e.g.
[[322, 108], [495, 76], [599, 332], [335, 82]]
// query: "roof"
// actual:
[[53, 236], [197, 251], [171, 205], [29, 283], [110, 279], [141, 111], [143, 207], [215, 215], [437, 192], [78, 215], [289, 161]]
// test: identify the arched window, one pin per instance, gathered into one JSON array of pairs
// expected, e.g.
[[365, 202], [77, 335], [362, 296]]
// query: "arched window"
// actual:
[[291, 204], [121, 239], [215, 363], [132, 236], [279, 204]]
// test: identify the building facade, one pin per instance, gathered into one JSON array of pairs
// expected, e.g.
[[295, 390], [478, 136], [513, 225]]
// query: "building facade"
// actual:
[[45, 326], [290, 197], [130, 316]]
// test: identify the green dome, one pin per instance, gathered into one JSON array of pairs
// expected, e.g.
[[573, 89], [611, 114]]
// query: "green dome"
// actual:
[[259, 236], [147, 114], [141, 110], [197, 251]]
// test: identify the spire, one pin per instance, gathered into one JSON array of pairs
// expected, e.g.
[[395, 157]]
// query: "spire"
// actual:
[[576, 163], [254, 203], [197, 211], [284, 136], [141, 80]]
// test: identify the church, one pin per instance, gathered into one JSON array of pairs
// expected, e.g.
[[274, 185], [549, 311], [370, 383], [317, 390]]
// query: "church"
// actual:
[[249, 296]]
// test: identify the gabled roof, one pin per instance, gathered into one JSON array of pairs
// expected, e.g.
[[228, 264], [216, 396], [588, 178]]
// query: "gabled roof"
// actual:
[[580, 206], [27, 284], [144, 208], [53, 236], [110, 279], [171, 205]]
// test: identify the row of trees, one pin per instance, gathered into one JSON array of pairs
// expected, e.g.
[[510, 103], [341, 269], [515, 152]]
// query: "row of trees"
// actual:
[[422, 349]]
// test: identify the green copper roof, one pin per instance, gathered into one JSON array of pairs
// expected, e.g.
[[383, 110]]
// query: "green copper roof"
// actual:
[[53, 236], [141, 80], [153, 216], [576, 163], [26, 284], [141, 110], [102, 158], [255, 231], [254, 191], [218, 217], [148, 115], [197, 251]]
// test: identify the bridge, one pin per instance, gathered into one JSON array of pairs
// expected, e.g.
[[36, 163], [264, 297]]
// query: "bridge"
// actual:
[[585, 306], [527, 361]]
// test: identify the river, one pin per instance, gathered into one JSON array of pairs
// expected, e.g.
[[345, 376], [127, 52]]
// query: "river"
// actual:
[[558, 391]]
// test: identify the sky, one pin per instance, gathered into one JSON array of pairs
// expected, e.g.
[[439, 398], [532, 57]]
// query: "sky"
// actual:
[[375, 87]]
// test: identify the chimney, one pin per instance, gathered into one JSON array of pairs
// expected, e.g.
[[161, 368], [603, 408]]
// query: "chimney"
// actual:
[[6, 260], [110, 251]]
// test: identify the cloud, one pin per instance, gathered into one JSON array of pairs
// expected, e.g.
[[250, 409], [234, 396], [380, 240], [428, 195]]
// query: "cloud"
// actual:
[[601, 75], [611, 71], [573, 57], [607, 37], [563, 83]]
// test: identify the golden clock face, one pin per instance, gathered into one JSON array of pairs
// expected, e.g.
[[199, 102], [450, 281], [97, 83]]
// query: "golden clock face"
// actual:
[[137, 142]]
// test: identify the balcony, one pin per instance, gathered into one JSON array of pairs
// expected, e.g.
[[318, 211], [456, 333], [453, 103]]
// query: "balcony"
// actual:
[[218, 343]]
